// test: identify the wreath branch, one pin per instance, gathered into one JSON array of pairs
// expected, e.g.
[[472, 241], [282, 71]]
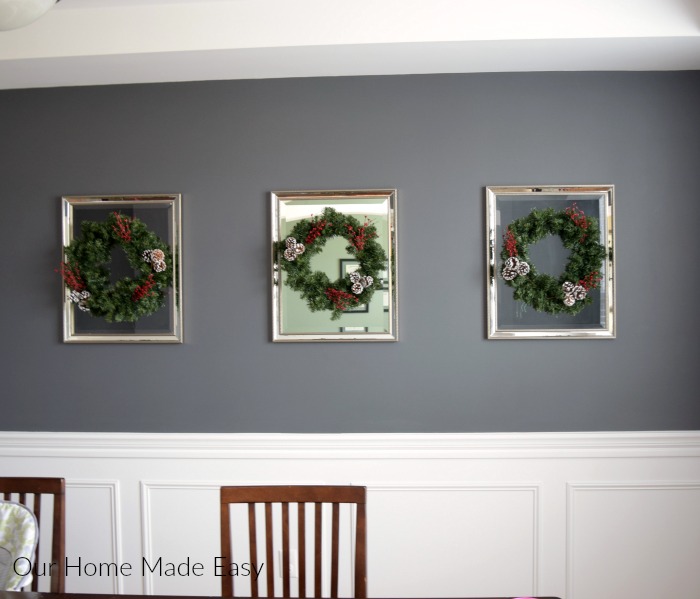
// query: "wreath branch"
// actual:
[[569, 293], [316, 287], [86, 274]]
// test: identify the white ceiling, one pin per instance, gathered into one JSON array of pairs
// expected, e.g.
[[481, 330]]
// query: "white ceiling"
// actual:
[[88, 42]]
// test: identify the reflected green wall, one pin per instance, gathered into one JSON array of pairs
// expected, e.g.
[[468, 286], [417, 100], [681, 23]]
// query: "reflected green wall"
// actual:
[[299, 319]]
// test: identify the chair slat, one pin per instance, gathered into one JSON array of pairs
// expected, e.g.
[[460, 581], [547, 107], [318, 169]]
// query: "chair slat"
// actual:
[[318, 591], [285, 550], [253, 545], [334, 550], [36, 508], [360, 552], [268, 550], [301, 541]]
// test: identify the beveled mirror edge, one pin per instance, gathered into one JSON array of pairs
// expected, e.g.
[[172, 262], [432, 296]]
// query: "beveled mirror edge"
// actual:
[[174, 337], [391, 195], [492, 330]]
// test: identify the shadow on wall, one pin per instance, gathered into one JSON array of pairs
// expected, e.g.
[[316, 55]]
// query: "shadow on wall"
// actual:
[[692, 8]]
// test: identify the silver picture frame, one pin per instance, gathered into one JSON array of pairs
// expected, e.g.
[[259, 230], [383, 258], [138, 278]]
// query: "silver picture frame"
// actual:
[[292, 318], [162, 213], [509, 318]]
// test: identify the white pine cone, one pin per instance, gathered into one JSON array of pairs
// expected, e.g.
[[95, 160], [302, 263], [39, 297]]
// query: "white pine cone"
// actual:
[[157, 255], [290, 254], [355, 277], [147, 255], [509, 274], [299, 248], [568, 287], [290, 242], [80, 298], [579, 292], [367, 281], [512, 263], [569, 299], [159, 266], [357, 288], [523, 268]]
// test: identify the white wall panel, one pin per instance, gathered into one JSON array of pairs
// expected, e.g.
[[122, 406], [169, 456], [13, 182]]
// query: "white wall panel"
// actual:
[[94, 536], [448, 515], [634, 540]]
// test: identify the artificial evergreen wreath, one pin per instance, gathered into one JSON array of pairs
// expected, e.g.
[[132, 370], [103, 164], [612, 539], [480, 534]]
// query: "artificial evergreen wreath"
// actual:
[[307, 239], [569, 293], [86, 275]]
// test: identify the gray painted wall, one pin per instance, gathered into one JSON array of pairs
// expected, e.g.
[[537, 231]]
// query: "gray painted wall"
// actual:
[[438, 139]]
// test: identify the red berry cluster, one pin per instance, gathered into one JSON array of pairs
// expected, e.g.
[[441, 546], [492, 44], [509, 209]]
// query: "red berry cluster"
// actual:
[[123, 226], [360, 237], [316, 231], [341, 300], [71, 276], [591, 281], [509, 243], [143, 290], [579, 218]]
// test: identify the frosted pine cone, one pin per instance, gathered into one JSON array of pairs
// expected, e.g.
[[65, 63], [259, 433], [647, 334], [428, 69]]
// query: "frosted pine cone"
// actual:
[[509, 274], [290, 242], [299, 248], [579, 292], [157, 255], [290, 254], [159, 265], [511, 263], [80, 298], [568, 287], [357, 288], [569, 299], [523, 268], [147, 255]]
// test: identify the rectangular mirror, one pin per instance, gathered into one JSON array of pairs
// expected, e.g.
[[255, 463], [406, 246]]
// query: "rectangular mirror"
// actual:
[[122, 269], [334, 266], [550, 269]]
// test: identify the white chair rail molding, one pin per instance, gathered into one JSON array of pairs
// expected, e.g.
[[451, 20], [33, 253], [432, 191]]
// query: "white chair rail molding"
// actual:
[[575, 515]]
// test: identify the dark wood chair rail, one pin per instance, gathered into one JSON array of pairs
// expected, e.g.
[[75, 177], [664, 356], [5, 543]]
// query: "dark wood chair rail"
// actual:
[[29, 492], [284, 495]]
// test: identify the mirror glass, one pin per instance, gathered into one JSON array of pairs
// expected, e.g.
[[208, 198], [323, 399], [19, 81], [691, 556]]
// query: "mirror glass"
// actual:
[[513, 317], [161, 215], [369, 314]]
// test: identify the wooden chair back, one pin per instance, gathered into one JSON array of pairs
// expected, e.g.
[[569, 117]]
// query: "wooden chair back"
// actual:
[[29, 492], [299, 495]]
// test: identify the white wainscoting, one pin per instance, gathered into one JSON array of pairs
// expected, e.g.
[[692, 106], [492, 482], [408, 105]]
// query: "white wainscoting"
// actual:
[[575, 515]]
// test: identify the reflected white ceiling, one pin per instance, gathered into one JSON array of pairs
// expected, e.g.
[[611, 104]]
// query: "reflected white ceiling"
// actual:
[[87, 42]]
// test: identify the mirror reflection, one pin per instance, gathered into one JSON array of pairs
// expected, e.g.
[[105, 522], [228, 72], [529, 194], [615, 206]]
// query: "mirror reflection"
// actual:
[[334, 261]]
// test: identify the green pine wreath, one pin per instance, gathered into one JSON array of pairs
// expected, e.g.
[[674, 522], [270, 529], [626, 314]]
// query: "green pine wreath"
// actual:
[[568, 294], [307, 239], [86, 273]]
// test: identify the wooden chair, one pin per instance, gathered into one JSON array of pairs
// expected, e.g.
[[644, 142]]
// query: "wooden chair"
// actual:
[[300, 495], [29, 491]]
